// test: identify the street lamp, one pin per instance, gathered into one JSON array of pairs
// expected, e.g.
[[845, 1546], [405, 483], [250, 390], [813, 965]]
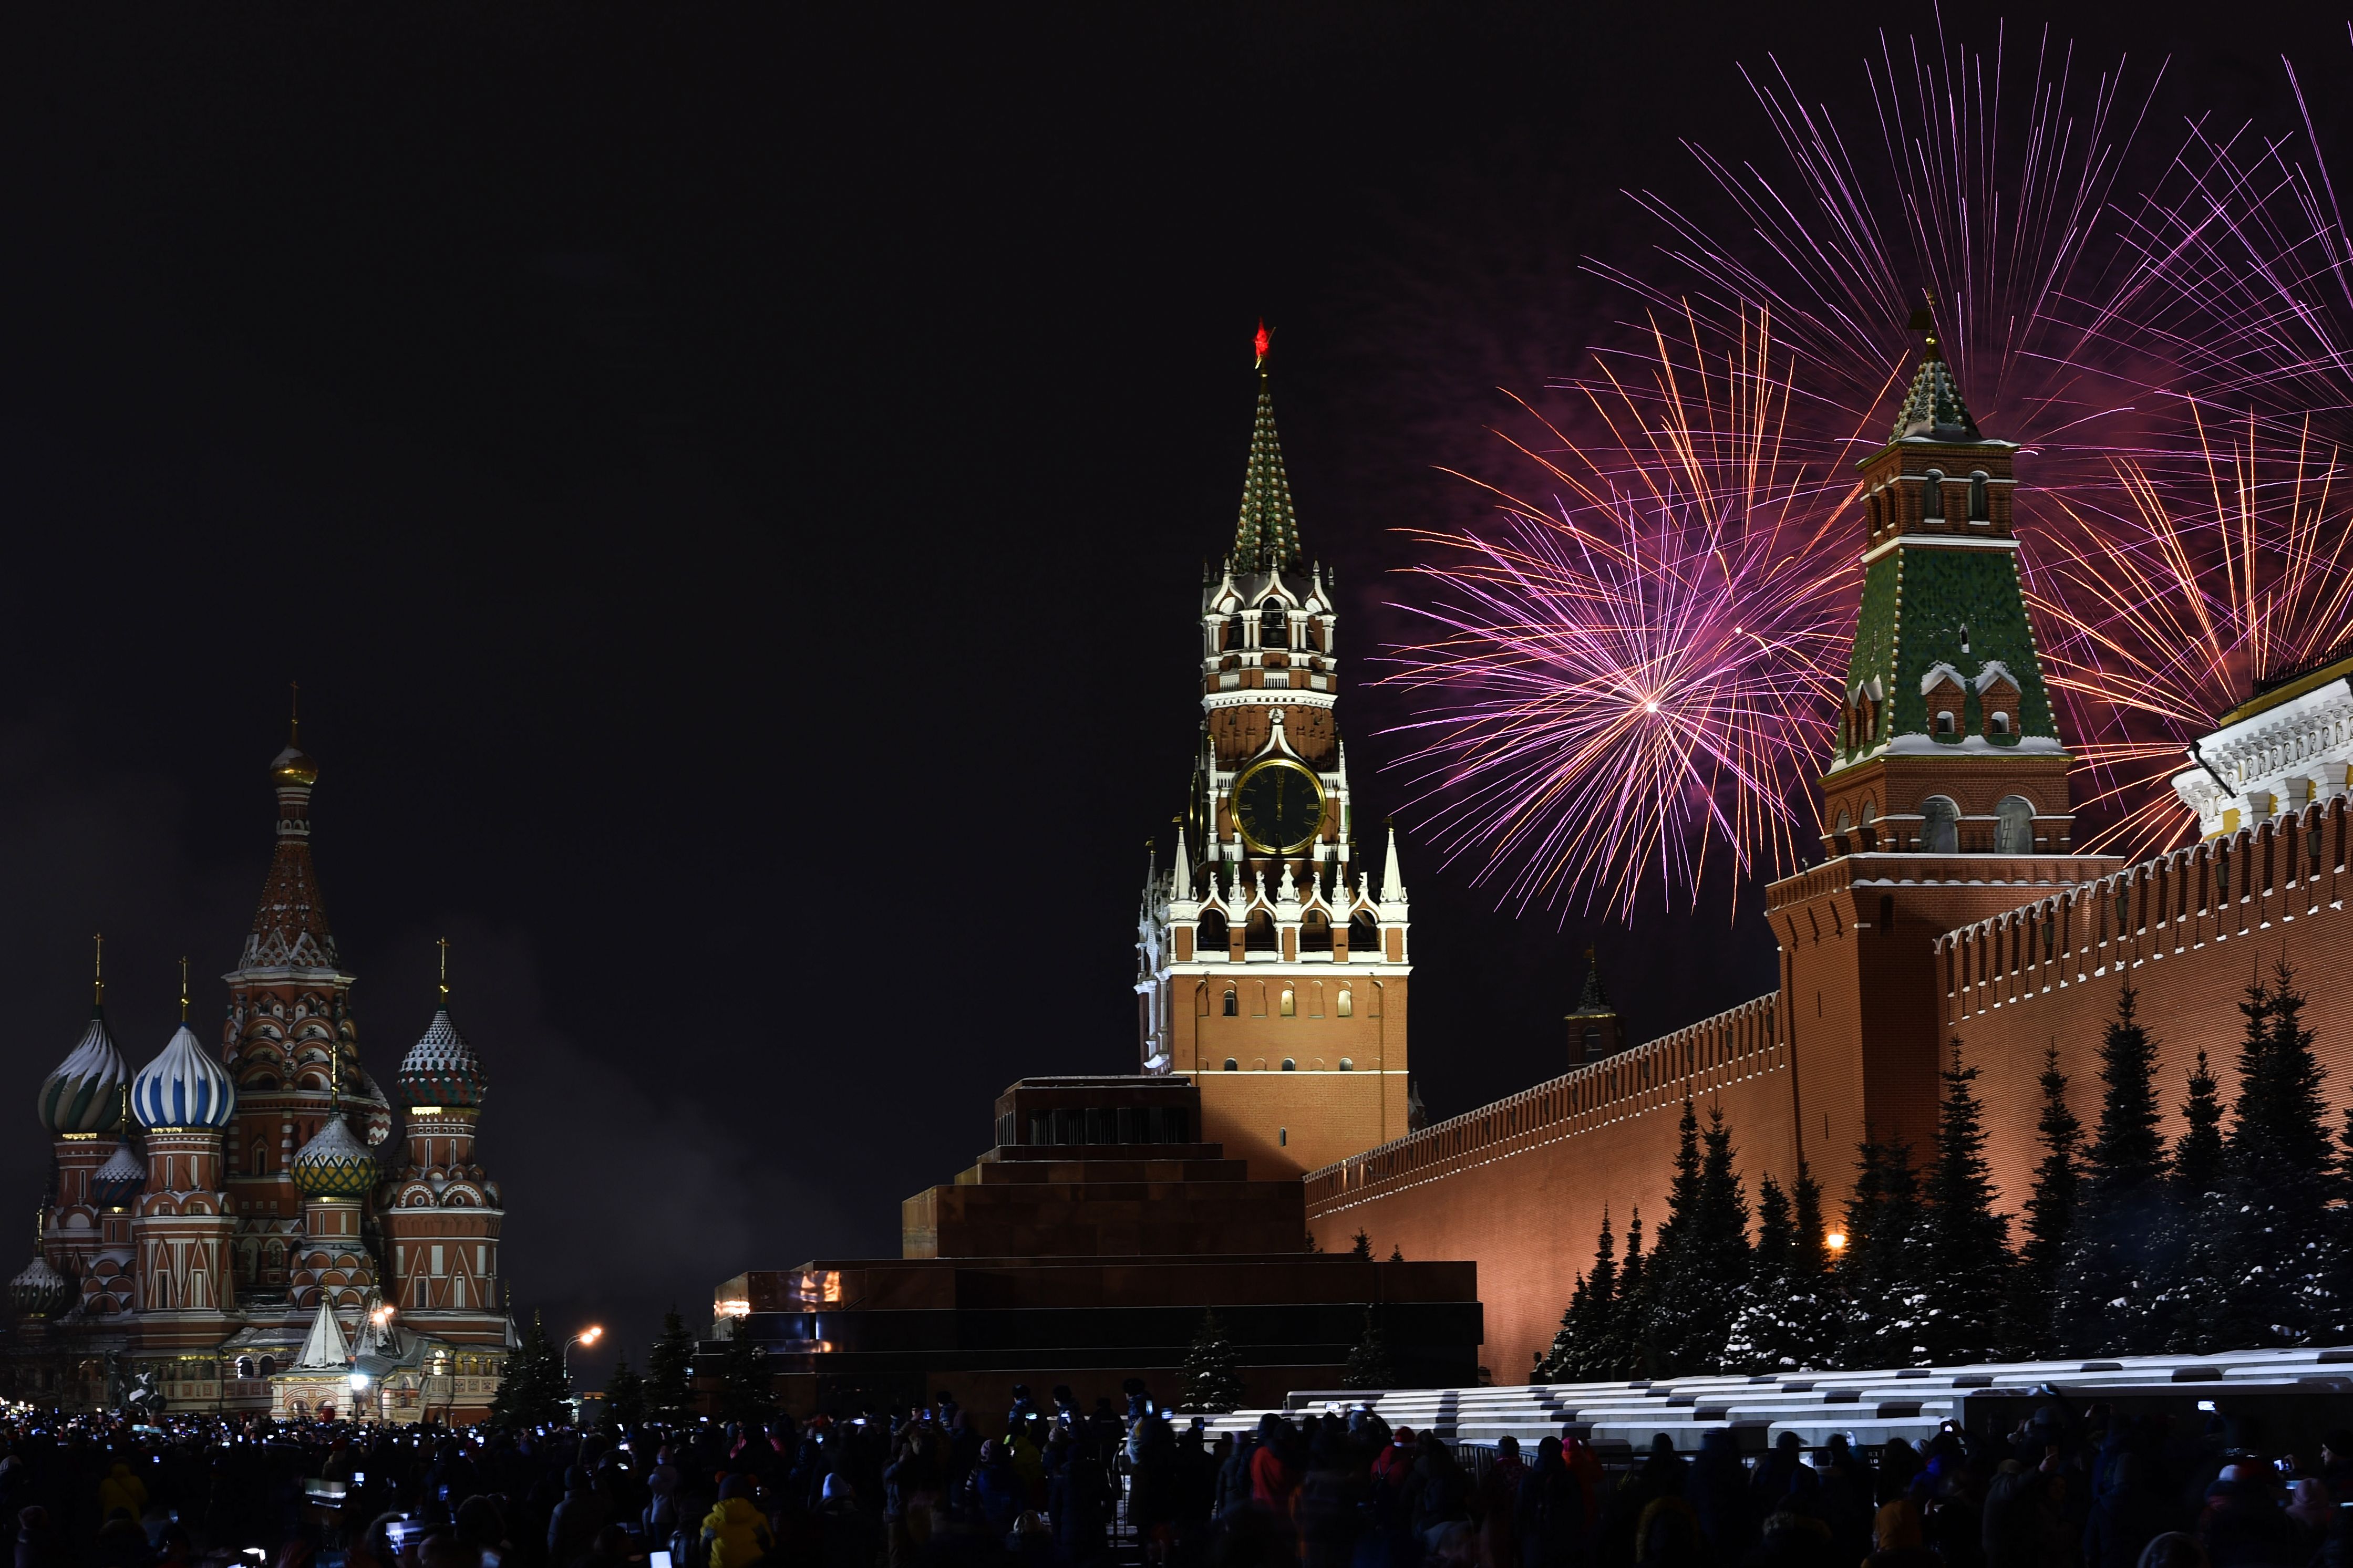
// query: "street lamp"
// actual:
[[587, 1336]]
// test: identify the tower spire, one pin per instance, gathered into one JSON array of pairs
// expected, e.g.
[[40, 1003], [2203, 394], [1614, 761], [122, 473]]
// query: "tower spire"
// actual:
[[1266, 535], [443, 942], [1933, 407], [98, 976], [183, 988]]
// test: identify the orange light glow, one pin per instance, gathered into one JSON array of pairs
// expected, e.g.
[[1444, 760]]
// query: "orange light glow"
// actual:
[[592, 1333], [1836, 1240]]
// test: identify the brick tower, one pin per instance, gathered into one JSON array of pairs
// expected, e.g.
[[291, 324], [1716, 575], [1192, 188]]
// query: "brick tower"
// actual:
[[1945, 799], [292, 1049], [181, 1232], [442, 1212], [1272, 969]]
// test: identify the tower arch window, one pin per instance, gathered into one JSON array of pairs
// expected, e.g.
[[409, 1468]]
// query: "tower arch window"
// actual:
[[1273, 625], [1348, 1007], [1980, 510], [1932, 496], [1258, 936], [1364, 933], [1944, 722], [1998, 721], [1214, 935], [1290, 1065], [2014, 831], [1940, 826], [1315, 932], [1347, 1064], [1289, 1002], [1233, 1003], [1233, 638], [1232, 1065]]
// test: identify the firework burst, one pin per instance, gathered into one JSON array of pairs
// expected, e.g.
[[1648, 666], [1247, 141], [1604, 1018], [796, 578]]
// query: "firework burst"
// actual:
[[2166, 618], [1693, 553], [1624, 681]]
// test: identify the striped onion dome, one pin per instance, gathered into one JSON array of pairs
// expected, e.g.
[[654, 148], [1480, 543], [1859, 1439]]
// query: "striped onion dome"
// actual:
[[39, 1290], [335, 1163], [441, 1068], [120, 1180], [184, 1087], [85, 1094]]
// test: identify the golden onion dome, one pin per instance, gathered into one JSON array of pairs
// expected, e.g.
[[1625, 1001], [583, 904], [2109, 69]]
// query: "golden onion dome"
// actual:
[[294, 766]]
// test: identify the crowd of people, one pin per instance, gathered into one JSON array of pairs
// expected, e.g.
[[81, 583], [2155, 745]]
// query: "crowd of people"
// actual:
[[1056, 1486]]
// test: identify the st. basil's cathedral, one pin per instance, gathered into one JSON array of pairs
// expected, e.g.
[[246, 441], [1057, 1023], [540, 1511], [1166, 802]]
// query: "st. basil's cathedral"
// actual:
[[237, 1229]]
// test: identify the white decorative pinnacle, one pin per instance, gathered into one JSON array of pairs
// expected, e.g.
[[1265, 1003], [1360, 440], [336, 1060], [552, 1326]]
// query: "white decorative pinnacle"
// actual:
[[1392, 879], [1287, 891], [1183, 871]]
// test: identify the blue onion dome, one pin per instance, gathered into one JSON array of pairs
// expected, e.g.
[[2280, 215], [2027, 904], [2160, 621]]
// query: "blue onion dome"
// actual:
[[120, 1180], [335, 1163], [441, 1068], [184, 1087], [85, 1094], [39, 1290]]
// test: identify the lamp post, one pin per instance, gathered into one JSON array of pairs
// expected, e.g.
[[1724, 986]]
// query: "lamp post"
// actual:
[[587, 1336]]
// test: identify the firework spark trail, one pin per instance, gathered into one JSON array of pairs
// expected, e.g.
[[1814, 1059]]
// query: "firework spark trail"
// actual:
[[2172, 615], [1995, 207], [1625, 683]]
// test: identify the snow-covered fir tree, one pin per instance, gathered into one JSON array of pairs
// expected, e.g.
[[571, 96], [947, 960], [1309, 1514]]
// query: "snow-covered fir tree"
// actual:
[[1964, 1244], [1579, 1351], [2050, 1217], [1879, 1276], [2272, 1265], [2109, 1280]]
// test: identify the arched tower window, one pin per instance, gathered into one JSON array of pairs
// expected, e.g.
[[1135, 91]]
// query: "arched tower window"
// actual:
[[1940, 826], [1259, 936], [1231, 1064], [1315, 932], [1214, 935], [2013, 832], [1364, 932], [1273, 625], [1932, 496], [1289, 1003], [2000, 721], [1978, 510], [1233, 632], [1347, 1008], [1233, 1004], [1945, 723]]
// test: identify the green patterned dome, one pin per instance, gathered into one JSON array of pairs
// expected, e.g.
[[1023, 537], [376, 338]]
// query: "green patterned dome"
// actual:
[[40, 1292], [335, 1163], [441, 1068]]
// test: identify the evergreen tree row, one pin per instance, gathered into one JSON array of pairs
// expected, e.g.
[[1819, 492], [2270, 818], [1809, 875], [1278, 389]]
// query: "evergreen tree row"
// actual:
[[2224, 1238]]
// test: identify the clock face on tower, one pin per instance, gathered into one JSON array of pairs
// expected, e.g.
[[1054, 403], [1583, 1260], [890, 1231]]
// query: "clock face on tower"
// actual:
[[1278, 806]]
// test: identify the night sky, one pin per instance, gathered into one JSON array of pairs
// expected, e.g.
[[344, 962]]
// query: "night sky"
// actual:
[[733, 494]]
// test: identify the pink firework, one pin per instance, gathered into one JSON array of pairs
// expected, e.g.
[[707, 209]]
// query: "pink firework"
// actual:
[[2172, 613], [1625, 681]]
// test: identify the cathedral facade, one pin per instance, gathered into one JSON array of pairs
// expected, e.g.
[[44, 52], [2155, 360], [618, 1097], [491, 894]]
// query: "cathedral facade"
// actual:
[[226, 1216], [1951, 910]]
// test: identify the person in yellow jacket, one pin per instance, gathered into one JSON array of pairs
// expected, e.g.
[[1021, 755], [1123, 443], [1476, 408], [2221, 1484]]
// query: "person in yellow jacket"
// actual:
[[121, 1488], [734, 1532]]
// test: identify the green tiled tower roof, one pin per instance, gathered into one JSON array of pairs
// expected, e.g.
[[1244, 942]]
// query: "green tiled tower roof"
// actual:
[[1933, 408], [1266, 535]]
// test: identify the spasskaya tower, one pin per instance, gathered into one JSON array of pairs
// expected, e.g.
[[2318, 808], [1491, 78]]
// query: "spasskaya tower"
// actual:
[[1272, 964]]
